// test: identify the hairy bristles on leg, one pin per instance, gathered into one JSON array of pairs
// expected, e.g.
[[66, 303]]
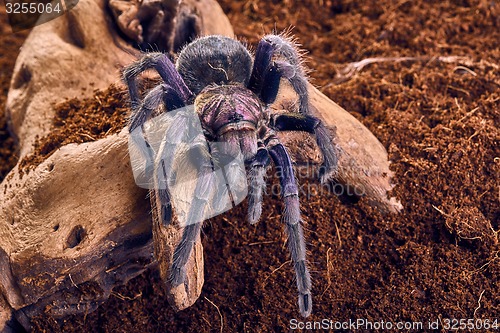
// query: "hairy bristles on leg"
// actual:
[[297, 248], [166, 206], [203, 192], [330, 153], [291, 212], [164, 66], [293, 225], [141, 111], [130, 73], [285, 49], [294, 43], [182, 252], [257, 184]]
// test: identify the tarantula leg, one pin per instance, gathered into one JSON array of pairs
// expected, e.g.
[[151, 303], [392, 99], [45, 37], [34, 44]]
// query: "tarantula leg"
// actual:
[[293, 224], [264, 81], [203, 192], [257, 184], [190, 234], [263, 58], [139, 116], [177, 132], [328, 171], [161, 93], [291, 68], [271, 82], [164, 67], [166, 206], [292, 121], [299, 122]]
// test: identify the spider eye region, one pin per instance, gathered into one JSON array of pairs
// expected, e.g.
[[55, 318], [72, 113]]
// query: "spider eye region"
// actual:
[[235, 118], [228, 107]]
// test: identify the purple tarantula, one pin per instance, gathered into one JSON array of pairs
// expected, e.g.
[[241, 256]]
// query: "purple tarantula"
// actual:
[[231, 93]]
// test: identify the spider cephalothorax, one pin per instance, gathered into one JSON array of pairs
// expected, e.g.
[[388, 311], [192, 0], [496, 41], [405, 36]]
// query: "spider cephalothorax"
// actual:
[[228, 108], [231, 92]]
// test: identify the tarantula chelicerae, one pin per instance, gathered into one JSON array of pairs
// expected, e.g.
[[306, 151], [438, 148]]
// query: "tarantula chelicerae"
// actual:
[[231, 93]]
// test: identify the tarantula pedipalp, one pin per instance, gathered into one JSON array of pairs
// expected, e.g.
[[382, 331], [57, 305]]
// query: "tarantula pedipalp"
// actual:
[[231, 92]]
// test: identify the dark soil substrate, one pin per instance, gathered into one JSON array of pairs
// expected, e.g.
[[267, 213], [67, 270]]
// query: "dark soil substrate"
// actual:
[[439, 121]]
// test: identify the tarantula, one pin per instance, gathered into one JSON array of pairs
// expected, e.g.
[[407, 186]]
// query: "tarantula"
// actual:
[[231, 92]]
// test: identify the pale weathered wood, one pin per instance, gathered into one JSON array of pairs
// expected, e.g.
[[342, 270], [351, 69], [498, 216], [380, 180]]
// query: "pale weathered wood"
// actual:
[[72, 229], [363, 161], [165, 240]]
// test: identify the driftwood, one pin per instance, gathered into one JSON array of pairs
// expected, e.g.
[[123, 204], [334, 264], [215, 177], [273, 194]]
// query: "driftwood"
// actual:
[[77, 225], [363, 167]]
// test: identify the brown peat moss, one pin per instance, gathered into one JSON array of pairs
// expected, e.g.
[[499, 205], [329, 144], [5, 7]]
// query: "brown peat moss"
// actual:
[[78, 121]]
